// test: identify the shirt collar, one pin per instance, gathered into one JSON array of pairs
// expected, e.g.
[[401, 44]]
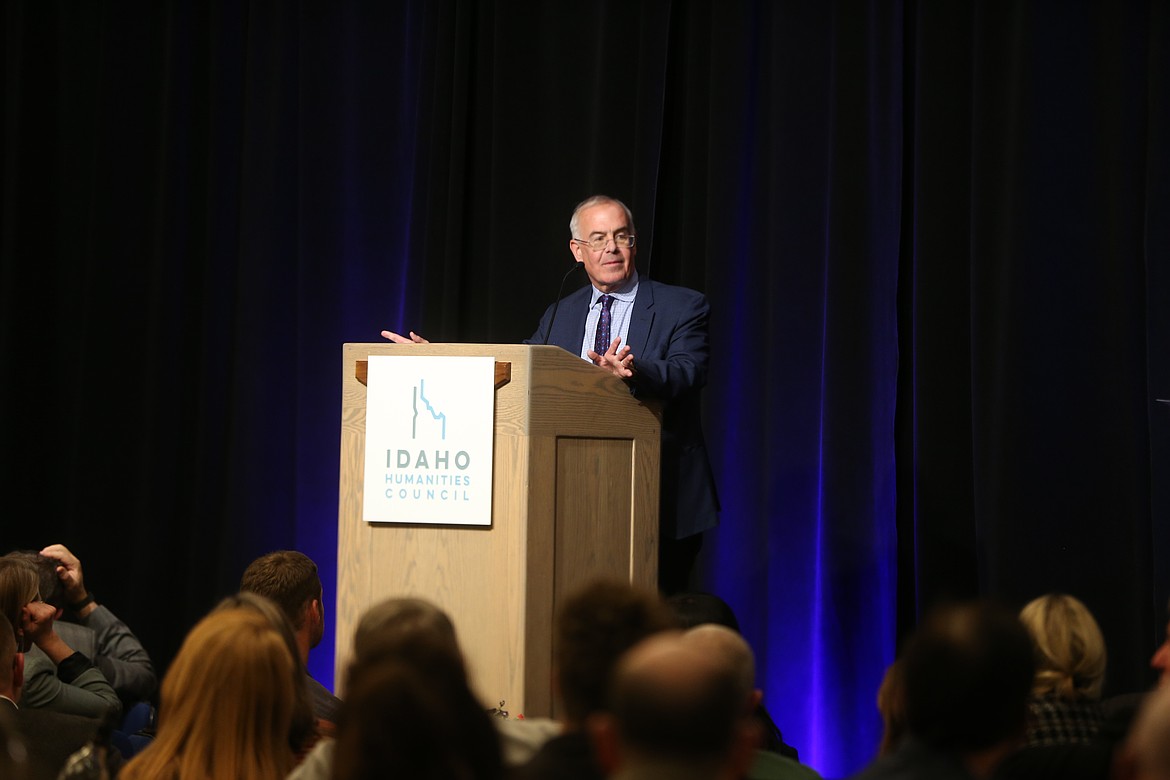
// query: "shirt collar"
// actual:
[[626, 292]]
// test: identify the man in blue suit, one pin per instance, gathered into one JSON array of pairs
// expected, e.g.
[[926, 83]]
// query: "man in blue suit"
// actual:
[[653, 336], [657, 343]]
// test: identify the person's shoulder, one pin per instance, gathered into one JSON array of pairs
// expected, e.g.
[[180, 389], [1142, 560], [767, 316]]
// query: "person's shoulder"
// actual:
[[36, 665], [674, 296], [318, 764], [773, 766], [325, 704], [662, 288], [81, 638]]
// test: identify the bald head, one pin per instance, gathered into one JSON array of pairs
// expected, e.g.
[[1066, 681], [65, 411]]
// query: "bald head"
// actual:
[[728, 649], [670, 698]]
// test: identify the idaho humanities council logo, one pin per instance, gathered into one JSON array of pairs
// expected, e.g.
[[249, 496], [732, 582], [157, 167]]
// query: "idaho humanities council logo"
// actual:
[[427, 474], [429, 439]]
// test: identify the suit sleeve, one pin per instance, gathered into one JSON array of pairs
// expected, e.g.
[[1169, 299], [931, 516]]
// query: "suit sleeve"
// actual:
[[75, 687], [682, 367], [120, 656], [541, 334]]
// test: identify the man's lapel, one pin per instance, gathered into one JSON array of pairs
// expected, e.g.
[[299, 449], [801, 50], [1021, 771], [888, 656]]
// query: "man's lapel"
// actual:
[[641, 319]]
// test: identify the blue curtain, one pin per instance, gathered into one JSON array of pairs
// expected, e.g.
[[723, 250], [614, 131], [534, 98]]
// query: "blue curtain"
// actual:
[[934, 237]]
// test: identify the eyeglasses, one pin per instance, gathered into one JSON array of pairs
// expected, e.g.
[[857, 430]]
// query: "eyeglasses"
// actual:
[[619, 240]]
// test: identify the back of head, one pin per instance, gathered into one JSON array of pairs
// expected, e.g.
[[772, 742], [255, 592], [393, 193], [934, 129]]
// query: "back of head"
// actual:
[[967, 673], [397, 620], [265, 608], [226, 703], [411, 631], [696, 609], [1070, 650], [728, 649], [595, 626], [672, 701], [288, 578], [303, 729], [400, 719]]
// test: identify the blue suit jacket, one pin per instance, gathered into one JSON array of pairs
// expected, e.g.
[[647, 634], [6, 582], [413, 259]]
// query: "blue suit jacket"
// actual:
[[668, 338]]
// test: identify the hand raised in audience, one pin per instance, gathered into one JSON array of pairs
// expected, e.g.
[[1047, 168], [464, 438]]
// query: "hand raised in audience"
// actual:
[[69, 572]]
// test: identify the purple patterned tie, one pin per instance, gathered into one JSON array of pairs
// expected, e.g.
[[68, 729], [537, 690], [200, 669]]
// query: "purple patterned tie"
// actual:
[[601, 342]]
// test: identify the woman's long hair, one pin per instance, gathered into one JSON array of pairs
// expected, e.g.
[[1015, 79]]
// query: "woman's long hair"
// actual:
[[19, 584], [226, 704], [303, 732]]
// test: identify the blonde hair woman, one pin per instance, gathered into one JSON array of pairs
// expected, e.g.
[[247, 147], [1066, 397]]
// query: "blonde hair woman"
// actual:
[[1070, 660], [226, 704]]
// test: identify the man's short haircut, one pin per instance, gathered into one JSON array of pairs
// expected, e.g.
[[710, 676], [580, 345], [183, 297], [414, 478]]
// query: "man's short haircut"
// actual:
[[288, 578], [967, 673], [595, 625], [598, 200]]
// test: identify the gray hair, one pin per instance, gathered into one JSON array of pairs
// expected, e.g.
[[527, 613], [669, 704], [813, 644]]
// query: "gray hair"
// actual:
[[598, 200]]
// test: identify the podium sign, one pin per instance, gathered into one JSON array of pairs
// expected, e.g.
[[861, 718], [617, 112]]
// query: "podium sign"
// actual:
[[429, 440]]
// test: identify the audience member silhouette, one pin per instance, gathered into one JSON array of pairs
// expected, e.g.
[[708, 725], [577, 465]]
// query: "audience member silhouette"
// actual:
[[290, 579], [1120, 710], [38, 741], [1063, 738], [967, 673], [91, 628], [595, 625], [1160, 661], [674, 711], [1070, 656], [56, 676], [891, 704], [1146, 753], [731, 651], [413, 634], [226, 705], [696, 608], [409, 712], [305, 728], [13, 752]]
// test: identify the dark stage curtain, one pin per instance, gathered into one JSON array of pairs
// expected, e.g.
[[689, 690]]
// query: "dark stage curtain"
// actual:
[[934, 236]]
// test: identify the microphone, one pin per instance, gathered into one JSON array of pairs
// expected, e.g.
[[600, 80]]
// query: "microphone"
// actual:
[[553, 317]]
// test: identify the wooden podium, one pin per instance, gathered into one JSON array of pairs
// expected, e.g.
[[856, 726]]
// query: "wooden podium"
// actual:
[[574, 496]]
